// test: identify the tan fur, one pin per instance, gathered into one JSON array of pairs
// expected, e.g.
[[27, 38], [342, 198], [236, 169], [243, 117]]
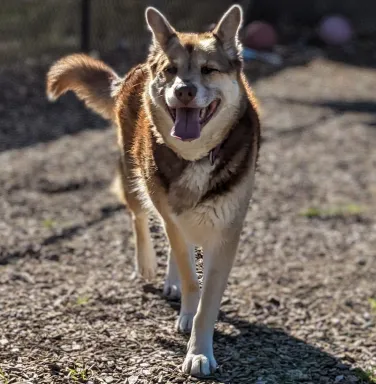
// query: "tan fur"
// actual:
[[199, 202], [90, 79]]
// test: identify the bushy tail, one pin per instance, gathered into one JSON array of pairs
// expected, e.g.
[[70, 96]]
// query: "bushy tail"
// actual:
[[90, 79]]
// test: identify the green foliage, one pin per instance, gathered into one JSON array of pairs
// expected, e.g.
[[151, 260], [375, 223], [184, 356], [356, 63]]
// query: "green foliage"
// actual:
[[372, 303], [333, 212], [367, 376], [78, 373], [48, 223], [82, 300], [3, 377]]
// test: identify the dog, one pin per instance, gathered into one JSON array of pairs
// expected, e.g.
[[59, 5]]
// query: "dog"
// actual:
[[189, 136]]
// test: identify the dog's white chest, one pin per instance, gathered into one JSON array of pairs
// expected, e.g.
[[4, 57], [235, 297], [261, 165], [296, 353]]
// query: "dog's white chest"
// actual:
[[195, 178], [205, 219]]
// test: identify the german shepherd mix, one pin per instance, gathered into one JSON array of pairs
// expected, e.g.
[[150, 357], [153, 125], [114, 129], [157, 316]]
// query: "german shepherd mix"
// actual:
[[189, 136]]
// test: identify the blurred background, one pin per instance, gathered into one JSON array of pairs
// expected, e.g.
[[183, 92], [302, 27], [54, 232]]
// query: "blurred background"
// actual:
[[34, 28], [301, 301], [276, 35]]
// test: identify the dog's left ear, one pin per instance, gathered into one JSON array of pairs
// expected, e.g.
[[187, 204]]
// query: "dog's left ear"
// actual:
[[227, 30], [159, 26]]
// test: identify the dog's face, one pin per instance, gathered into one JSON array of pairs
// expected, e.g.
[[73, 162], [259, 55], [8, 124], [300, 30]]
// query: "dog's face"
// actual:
[[194, 77]]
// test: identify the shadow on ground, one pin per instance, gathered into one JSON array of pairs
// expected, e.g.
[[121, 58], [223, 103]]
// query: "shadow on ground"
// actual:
[[34, 250], [26, 116], [268, 355]]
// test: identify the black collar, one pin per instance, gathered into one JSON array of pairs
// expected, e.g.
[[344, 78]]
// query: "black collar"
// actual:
[[213, 154]]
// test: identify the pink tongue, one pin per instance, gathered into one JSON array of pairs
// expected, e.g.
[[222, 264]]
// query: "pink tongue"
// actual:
[[187, 124]]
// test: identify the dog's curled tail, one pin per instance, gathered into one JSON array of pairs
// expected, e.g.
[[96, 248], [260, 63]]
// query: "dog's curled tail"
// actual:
[[90, 79]]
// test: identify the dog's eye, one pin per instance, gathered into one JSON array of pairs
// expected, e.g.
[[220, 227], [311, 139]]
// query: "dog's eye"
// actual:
[[208, 70], [172, 70]]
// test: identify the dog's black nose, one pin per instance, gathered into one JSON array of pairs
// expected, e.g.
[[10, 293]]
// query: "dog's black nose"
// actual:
[[185, 93]]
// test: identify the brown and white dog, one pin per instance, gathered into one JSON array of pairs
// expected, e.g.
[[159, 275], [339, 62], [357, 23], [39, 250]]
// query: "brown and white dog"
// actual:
[[189, 136]]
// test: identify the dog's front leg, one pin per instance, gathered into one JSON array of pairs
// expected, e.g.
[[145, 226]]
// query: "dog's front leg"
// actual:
[[218, 260]]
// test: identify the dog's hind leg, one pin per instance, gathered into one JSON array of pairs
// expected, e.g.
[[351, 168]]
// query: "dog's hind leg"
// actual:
[[145, 259], [182, 263], [172, 285], [146, 262]]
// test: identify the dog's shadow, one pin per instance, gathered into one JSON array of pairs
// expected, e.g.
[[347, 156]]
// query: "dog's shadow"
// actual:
[[255, 353]]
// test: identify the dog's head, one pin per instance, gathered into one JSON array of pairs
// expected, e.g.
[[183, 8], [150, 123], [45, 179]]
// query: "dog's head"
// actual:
[[194, 86]]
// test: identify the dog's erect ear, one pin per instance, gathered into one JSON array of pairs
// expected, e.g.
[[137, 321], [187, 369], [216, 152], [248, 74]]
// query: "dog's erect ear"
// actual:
[[159, 26], [90, 79], [227, 30]]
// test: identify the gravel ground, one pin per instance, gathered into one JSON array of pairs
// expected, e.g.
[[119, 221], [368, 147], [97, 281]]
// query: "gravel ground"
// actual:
[[298, 308]]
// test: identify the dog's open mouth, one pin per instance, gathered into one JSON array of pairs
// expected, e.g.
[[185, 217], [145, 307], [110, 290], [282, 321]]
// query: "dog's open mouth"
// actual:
[[188, 122]]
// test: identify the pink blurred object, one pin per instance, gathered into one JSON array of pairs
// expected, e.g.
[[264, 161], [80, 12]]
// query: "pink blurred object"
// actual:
[[260, 35], [335, 30]]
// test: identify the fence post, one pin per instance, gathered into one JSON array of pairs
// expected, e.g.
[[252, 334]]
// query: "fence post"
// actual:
[[85, 25]]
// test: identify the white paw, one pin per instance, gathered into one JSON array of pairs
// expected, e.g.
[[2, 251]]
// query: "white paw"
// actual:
[[172, 289], [148, 273], [147, 269], [199, 365], [184, 322]]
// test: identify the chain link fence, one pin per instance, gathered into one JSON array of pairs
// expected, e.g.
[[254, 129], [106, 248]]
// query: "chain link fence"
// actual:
[[33, 28]]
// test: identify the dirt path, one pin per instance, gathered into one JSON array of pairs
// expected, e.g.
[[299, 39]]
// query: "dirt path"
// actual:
[[298, 305]]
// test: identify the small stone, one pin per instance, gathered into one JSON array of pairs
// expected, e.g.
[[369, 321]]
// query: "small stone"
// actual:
[[367, 315], [109, 379], [338, 378], [76, 346], [132, 380]]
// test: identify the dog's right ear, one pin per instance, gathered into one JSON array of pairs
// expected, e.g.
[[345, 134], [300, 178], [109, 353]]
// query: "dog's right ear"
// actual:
[[90, 79], [159, 26]]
